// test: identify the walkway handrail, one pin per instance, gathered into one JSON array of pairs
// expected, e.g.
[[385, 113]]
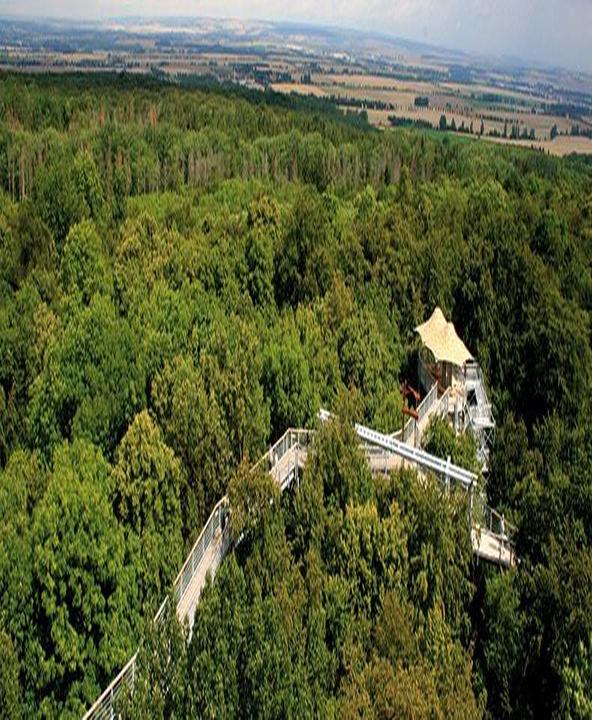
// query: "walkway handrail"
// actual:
[[474, 377], [492, 521], [425, 376], [202, 543], [481, 412], [422, 410], [407, 432], [497, 524], [276, 452], [103, 706], [442, 406], [415, 455], [426, 404]]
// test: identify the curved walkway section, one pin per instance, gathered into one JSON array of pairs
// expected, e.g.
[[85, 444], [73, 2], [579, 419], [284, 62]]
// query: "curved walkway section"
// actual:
[[283, 460]]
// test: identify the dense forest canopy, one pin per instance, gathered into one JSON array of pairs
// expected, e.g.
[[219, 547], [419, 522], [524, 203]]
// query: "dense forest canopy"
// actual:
[[184, 274]]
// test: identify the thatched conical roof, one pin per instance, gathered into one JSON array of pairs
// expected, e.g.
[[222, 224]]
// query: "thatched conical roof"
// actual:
[[441, 338]]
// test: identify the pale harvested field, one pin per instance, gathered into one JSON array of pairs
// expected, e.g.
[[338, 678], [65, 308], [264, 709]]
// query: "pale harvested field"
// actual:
[[414, 61], [458, 109], [561, 146], [395, 97], [402, 97], [458, 91], [380, 118], [299, 88], [186, 68], [374, 82], [542, 124], [229, 58], [468, 89]]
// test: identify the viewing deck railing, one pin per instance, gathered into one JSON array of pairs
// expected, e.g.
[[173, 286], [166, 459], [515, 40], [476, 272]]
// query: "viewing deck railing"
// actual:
[[290, 439], [411, 426], [408, 430], [427, 403], [104, 706], [480, 413], [497, 525], [215, 522]]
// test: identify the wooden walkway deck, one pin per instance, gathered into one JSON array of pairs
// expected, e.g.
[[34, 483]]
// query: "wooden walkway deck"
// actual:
[[210, 562], [283, 472], [491, 547]]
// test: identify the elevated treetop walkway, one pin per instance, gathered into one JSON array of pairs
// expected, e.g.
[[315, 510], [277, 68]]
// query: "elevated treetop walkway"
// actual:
[[491, 538]]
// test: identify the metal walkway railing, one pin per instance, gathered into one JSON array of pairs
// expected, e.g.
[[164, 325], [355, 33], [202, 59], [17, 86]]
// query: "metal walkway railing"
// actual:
[[430, 406], [489, 535], [200, 563]]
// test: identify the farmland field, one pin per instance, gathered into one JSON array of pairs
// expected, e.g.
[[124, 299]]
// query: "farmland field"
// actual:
[[497, 108]]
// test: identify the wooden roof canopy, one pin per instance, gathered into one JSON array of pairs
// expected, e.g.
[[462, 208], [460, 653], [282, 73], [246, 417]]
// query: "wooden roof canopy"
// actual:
[[440, 336]]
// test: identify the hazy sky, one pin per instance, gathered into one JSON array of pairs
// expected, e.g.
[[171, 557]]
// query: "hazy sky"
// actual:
[[552, 31]]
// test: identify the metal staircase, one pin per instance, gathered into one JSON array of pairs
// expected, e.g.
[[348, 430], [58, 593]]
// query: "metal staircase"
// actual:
[[478, 413]]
